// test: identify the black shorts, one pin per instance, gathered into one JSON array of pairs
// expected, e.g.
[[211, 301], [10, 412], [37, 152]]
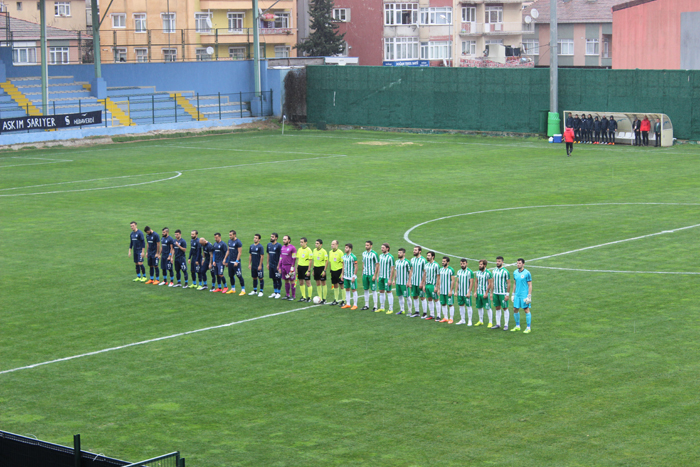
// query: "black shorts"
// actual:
[[303, 273], [233, 268], [166, 265], [153, 261], [181, 265], [256, 273], [274, 273], [219, 268], [337, 277], [204, 267], [318, 274], [138, 256]]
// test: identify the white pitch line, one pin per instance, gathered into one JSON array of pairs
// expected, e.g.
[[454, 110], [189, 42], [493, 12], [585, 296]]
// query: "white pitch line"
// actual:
[[95, 189], [157, 339], [79, 181], [246, 150], [56, 161], [615, 242], [681, 273]]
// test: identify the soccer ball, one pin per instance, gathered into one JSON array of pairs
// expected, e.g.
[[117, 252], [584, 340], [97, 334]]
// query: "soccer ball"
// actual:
[[317, 300]]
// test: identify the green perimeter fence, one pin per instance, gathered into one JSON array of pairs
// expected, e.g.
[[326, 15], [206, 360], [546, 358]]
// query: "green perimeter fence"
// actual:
[[494, 99]]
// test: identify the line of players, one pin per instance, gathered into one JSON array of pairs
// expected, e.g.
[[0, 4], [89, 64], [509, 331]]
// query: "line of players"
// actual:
[[419, 282], [592, 130]]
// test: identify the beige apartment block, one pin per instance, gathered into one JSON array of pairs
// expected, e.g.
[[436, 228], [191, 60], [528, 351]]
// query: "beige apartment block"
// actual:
[[68, 15]]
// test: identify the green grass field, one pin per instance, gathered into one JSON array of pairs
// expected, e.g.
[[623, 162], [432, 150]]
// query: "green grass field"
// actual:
[[609, 375]]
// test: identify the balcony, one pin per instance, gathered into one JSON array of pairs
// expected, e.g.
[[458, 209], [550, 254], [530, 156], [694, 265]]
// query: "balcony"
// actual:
[[267, 35], [491, 29], [237, 5]]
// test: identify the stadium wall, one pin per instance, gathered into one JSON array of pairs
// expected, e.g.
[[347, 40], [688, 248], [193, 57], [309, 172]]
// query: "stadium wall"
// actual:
[[494, 100]]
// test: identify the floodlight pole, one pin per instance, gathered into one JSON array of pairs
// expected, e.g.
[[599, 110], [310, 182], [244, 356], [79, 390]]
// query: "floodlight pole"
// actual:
[[96, 39], [553, 60], [256, 47], [44, 65]]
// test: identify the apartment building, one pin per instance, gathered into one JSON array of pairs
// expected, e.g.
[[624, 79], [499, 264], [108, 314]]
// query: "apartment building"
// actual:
[[186, 30], [66, 14], [584, 30]]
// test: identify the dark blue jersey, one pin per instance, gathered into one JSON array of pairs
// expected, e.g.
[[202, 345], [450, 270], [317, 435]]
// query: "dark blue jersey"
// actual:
[[219, 252], [206, 252], [612, 124], [273, 254], [180, 254], [153, 239], [137, 241], [166, 246], [233, 246], [257, 252], [195, 250]]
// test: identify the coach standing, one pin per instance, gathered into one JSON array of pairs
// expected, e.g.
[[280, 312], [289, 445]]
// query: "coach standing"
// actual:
[[612, 127], [636, 127], [645, 127], [657, 133], [604, 129]]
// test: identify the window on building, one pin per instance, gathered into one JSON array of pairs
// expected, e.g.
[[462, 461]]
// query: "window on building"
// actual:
[[141, 55], [24, 54], [437, 50], [58, 55], [493, 41], [282, 51], [468, 47], [237, 53], [607, 48], [202, 23], [119, 54], [436, 15], [3, 8], [531, 47], [468, 14], [140, 22], [400, 13], [118, 20], [401, 48], [61, 8], [201, 55], [282, 21], [235, 22], [19, 6], [169, 55], [168, 22], [341, 15], [494, 14], [592, 47], [566, 46]]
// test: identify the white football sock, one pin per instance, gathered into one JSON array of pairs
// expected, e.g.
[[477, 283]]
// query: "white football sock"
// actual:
[[408, 301], [401, 303], [425, 306], [415, 305], [490, 315], [461, 313], [481, 315], [367, 298], [354, 294], [469, 311], [452, 313], [431, 307], [498, 317], [375, 298], [444, 311], [347, 297], [506, 316], [381, 300], [391, 301]]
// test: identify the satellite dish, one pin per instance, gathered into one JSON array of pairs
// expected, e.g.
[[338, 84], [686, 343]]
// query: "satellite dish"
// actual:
[[528, 19], [210, 50], [208, 22], [535, 14]]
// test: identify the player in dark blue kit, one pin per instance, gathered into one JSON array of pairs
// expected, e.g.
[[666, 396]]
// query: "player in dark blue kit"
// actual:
[[205, 265], [180, 262], [217, 264], [274, 250], [136, 246], [166, 257], [195, 258], [233, 261], [153, 241], [255, 263]]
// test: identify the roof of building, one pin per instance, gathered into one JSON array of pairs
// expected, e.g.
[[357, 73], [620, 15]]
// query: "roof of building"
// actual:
[[622, 6], [574, 11], [26, 30]]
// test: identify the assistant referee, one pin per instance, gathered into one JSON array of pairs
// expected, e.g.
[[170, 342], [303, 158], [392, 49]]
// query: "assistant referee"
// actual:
[[335, 259]]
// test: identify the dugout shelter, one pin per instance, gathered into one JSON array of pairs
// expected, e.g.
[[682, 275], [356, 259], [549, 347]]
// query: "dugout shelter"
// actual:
[[624, 133]]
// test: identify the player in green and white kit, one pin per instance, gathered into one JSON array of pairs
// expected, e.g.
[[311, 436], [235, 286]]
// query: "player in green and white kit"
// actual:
[[429, 281], [402, 272], [446, 285], [501, 289], [370, 271], [350, 276], [484, 284], [386, 276], [464, 290], [417, 272]]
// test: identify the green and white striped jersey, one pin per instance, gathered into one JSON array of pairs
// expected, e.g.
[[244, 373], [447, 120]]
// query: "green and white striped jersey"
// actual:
[[483, 281], [464, 277], [431, 271], [500, 281], [349, 262], [386, 262], [369, 262], [403, 271], [446, 275], [417, 265]]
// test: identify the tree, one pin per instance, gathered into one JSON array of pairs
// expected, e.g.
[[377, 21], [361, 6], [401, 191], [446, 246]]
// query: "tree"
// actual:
[[324, 39]]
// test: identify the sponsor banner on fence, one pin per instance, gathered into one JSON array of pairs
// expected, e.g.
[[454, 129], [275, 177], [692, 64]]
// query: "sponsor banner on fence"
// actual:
[[407, 63], [50, 121]]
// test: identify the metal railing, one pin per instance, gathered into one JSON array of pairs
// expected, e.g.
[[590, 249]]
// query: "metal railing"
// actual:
[[168, 460], [467, 29]]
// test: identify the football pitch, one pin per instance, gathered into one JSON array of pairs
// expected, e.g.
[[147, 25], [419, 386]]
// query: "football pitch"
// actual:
[[608, 376]]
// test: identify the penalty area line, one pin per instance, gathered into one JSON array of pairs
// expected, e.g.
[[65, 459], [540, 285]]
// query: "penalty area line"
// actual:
[[157, 339]]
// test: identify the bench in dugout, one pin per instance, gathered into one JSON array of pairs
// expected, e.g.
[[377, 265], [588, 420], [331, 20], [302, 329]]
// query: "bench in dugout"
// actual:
[[624, 133]]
